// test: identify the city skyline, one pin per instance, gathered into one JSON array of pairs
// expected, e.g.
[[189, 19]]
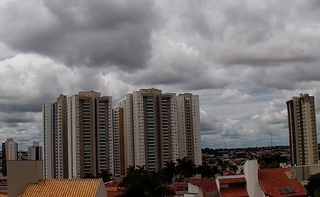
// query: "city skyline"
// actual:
[[244, 59], [83, 135]]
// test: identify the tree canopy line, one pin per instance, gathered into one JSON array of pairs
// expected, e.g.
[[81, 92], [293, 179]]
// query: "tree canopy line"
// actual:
[[140, 182], [143, 183]]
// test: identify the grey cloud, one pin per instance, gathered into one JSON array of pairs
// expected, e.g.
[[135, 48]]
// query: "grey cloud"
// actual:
[[32, 80], [181, 65], [18, 107], [82, 32], [286, 76]]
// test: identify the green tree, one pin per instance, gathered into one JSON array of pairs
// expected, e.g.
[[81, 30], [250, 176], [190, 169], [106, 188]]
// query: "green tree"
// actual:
[[314, 184], [105, 175], [89, 176], [271, 160], [186, 167], [141, 183], [317, 193], [130, 169], [205, 171], [169, 171]]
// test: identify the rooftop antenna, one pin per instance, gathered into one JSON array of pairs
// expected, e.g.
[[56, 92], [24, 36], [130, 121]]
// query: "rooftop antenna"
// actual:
[[271, 138]]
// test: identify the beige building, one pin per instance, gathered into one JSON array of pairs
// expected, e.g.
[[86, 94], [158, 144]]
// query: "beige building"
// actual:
[[22, 173], [189, 127], [55, 135], [127, 105], [11, 149], [160, 128], [90, 136], [118, 146], [302, 130], [35, 151]]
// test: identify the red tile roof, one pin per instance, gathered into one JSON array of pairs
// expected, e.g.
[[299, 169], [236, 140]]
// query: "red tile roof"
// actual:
[[113, 193], [112, 184], [272, 179], [234, 192], [231, 180], [180, 187], [207, 185]]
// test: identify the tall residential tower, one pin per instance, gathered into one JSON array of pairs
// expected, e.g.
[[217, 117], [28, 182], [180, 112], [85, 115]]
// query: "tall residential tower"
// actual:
[[55, 132], [90, 136], [35, 151], [189, 127], [160, 128], [302, 130]]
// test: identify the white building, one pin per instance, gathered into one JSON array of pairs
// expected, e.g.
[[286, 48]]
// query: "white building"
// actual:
[[11, 149], [188, 114], [55, 146], [254, 183], [35, 151]]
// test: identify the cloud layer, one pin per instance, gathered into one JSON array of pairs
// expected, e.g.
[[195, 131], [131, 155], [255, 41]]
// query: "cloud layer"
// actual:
[[244, 58]]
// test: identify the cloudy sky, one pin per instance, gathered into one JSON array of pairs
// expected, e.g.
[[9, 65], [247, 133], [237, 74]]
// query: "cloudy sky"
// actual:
[[245, 58]]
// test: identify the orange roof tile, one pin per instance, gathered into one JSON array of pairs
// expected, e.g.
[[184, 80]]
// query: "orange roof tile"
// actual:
[[112, 184], [63, 187], [180, 187], [233, 180], [207, 185], [113, 193], [272, 179], [234, 192]]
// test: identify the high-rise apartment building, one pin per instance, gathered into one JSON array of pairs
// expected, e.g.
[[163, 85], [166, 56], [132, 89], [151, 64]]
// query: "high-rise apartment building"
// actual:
[[9, 152], [302, 130], [118, 146], [128, 131], [55, 144], [151, 136], [189, 127], [35, 151], [90, 136]]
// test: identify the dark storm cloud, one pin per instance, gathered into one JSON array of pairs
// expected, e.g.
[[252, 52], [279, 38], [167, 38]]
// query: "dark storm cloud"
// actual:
[[82, 32], [18, 107]]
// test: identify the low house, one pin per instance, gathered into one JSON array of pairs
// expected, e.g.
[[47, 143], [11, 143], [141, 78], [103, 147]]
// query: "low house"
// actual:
[[278, 182], [66, 187]]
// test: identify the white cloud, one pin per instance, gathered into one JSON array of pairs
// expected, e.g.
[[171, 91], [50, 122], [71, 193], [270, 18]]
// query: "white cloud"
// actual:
[[234, 96]]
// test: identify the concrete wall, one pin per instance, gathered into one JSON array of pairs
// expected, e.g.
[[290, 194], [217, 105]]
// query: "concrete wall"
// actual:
[[251, 174], [304, 172], [194, 190], [21, 173], [102, 191]]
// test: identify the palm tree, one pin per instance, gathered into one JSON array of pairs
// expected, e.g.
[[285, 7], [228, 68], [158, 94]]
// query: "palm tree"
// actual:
[[141, 183], [186, 167], [169, 171], [105, 175]]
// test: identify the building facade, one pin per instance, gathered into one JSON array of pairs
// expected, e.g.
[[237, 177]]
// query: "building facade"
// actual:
[[9, 152], [83, 135], [189, 127], [118, 146], [55, 144], [90, 136], [302, 130], [35, 151], [152, 132]]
